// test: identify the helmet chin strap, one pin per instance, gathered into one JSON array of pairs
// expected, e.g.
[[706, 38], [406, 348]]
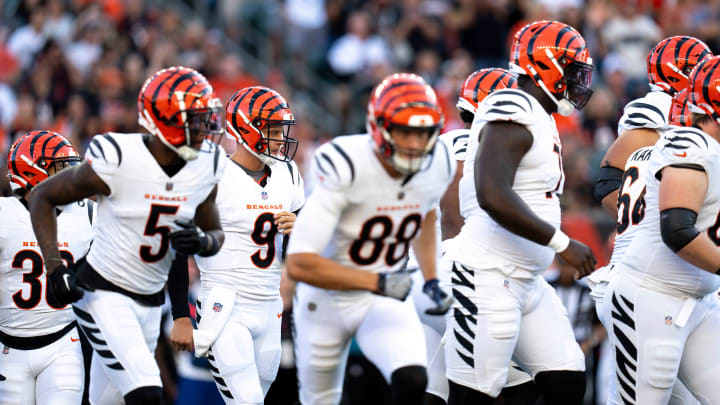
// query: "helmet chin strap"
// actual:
[[263, 158], [185, 152], [564, 107]]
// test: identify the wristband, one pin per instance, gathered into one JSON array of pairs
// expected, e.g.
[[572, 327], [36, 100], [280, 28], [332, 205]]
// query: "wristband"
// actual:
[[559, 241]]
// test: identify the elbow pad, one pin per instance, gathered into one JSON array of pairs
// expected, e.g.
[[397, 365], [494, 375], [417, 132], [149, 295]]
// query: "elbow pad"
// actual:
[[609, 180], [677, 226]]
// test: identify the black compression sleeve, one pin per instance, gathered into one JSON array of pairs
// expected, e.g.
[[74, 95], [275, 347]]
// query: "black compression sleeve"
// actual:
[[677, 226], [178, 281], [609, 180]]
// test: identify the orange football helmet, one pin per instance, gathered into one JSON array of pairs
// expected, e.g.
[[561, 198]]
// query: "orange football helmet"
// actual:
[[555, 56], [403, 100], [680, 110], [670, 62], [704, 90], [255, 117], [480, 83], [177, 102], [33, 154]]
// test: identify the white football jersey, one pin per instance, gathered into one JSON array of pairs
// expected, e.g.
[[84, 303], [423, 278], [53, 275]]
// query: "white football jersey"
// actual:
[[647, 254], [631, 201], [650, 111], [361, 217], [482, 242], [131, 248], [249, 260], [24, 310]]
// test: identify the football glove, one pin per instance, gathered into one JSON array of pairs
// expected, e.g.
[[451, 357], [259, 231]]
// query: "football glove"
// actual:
[[63, 287], [396, 285], [191, 240], [441, 299]]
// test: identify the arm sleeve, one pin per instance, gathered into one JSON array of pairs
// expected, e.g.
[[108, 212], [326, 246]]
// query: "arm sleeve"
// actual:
[[178, 282]]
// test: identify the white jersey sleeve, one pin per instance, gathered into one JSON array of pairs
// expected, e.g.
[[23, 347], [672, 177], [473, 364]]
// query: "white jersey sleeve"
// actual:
[[658, 265], [650, 111], [508, 105], [458, 141], [105, 156]]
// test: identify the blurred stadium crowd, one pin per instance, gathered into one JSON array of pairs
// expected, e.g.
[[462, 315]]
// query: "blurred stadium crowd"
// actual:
[[75, 66]]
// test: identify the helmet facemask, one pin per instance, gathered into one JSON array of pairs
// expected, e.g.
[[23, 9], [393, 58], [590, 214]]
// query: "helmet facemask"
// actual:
[[269, 134], [409, 160]]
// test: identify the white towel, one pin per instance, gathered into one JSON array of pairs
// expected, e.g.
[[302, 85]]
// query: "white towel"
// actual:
[[216, 309]]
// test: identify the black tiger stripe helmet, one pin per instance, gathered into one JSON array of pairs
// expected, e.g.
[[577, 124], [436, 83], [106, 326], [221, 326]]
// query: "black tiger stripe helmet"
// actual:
[[557, 59], [176, 102], [36, 155], [480, 84], [260, 119], [670, 62]]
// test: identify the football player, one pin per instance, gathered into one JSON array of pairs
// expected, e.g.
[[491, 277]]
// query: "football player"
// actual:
[[474, 89], [662, 301], [669, 64], [152, 190], [510, 186], [41, 360], [374, 198], [257, 198], [622, 191]]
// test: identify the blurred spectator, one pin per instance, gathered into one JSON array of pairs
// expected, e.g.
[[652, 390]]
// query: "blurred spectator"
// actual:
[[358, 49], [230, 77], [58, 24], [631, 34], [87, 49], [27, 40]]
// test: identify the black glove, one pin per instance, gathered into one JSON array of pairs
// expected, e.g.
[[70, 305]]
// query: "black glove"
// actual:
[[396, 285], [440, 298], [190, 239], [63, 287]]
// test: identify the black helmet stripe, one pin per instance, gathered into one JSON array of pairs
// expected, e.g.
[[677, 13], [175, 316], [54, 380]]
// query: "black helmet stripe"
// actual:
[[34, 140], [386, 89], [155, 111], [238, 99], [477, 85], [404, 93], [531, 43], [254, 98], [658, 63], [706, 83]]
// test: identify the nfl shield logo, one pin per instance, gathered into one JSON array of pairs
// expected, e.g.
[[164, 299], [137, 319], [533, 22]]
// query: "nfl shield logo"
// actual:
[[217, 307], [6, 350], [168, 186], [264, 195], [668, 320]]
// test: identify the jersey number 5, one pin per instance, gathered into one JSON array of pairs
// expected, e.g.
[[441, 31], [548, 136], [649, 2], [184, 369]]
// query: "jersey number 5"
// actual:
[[152, 228], [377, 241], [32, 277]]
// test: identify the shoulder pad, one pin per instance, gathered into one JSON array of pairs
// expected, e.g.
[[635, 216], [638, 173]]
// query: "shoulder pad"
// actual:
[[333, 166], [646, 112], [507, 105], [683, 147], [104, 148]]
